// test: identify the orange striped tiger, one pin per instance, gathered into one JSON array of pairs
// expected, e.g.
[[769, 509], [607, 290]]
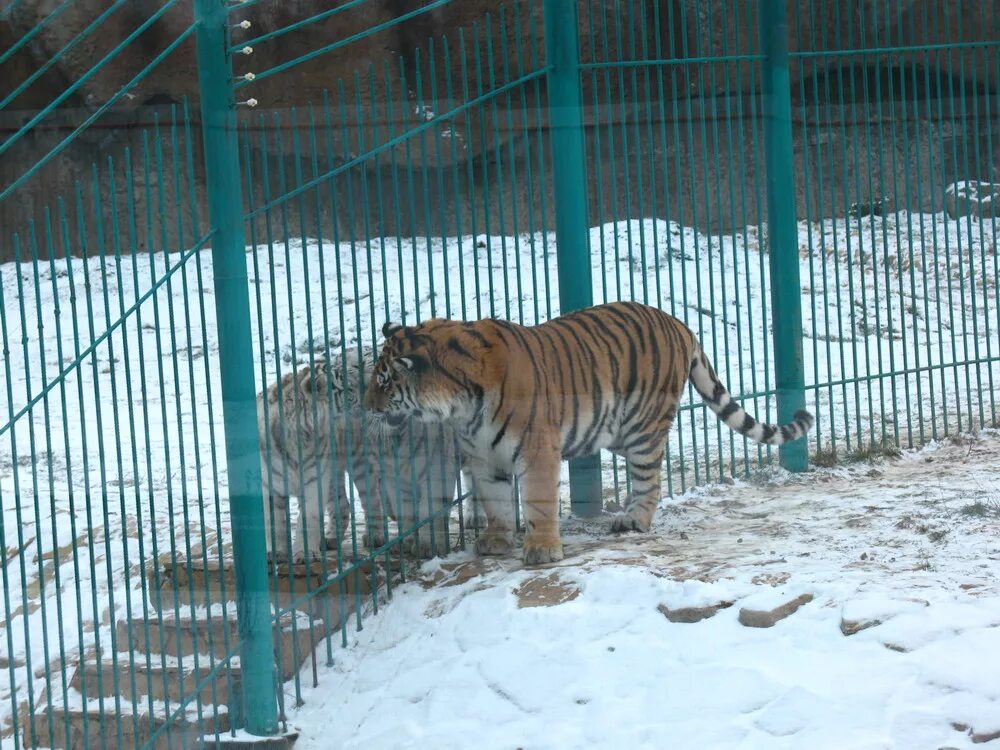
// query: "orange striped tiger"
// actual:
[[521, 399]]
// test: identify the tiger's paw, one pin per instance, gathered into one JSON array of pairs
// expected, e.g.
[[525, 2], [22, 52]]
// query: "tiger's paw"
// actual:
[[423, 548], [332, 545], [299, 556], [277, 557], [539, 553], [494, 543], [623, 522], [376, 538]]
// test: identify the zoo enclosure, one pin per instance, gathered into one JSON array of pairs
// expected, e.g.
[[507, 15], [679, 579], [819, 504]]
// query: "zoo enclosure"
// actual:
[[699, 137]]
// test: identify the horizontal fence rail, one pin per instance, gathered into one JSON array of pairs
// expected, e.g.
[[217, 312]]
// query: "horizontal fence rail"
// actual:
[[404, 161]]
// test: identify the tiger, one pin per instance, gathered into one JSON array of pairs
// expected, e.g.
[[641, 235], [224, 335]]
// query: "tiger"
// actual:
[[312, 429], [523, 398]]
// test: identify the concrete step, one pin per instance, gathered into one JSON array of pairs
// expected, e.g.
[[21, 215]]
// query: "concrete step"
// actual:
[[71, 722], [135, 677], [214, 631], [201, 583]]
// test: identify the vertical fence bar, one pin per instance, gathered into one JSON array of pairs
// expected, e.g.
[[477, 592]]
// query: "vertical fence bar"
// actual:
[[786, 297], [222, 170], [576, 287]]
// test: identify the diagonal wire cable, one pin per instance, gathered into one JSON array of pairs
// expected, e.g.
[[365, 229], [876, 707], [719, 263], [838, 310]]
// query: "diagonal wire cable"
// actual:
[[5, 13], [5, 146], [298, 24], [40, 71], [97, 113]]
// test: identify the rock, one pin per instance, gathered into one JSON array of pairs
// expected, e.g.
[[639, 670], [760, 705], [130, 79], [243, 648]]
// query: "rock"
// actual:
[[980, 737], [692, 614], [766, 618], [972, 198], [865, 612], [850, 627], [875, 207], [545, 591]]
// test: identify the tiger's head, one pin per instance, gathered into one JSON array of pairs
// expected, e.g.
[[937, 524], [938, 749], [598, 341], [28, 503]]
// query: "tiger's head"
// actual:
[[430, 372]]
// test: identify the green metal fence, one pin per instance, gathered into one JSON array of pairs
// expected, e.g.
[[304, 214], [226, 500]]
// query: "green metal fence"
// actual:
[[201, 199]]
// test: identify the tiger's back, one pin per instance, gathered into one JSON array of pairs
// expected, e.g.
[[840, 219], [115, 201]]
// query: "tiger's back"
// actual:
[[524, 398]]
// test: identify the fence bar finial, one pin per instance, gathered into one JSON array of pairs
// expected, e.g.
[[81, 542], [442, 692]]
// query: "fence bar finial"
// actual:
[[786, 294], [236, 365], [576, 288]]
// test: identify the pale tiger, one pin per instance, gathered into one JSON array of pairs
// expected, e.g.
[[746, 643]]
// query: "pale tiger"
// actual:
[[312, 429]]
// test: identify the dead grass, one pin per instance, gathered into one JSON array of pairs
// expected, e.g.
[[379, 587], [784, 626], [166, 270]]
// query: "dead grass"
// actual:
[[982, 509], [825, 458], [874, 451]]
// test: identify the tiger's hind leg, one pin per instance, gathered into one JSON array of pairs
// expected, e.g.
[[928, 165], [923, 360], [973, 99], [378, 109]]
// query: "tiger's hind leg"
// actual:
[[495, 490], [645, 464]]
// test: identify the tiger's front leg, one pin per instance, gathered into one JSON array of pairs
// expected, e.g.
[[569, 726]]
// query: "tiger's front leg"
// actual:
[[276, 525], [306, 546], [495, 490], [540, 499]]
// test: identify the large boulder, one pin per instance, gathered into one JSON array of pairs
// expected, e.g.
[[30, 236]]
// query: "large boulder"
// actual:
[[972, 198]]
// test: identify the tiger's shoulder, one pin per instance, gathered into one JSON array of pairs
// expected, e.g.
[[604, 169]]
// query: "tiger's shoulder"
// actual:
[[340, 378]]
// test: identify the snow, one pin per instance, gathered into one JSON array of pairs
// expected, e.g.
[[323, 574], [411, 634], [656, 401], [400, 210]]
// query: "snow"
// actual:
[[127, 447], [461, 662]]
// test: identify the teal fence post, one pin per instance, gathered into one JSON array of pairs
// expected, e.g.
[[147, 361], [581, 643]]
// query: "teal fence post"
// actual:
[[786, 294], [236, 365], [576, 288]]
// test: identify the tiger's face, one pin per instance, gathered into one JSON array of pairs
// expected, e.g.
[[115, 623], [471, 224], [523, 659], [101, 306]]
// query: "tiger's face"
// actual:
[[426, 372]]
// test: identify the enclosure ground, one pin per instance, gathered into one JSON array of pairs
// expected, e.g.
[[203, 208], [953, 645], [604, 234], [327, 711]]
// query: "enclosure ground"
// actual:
[[898, 646]]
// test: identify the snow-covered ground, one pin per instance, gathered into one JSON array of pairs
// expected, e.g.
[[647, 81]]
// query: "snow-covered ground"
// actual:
[[579, 655], [129, 443]]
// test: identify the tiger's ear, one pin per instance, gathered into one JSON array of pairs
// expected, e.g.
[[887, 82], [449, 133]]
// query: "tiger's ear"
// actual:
[[414, 363], [390, 328]]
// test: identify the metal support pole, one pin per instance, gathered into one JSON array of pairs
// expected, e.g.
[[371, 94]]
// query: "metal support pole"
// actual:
[[786, 294], [239, 402], [576, 287]]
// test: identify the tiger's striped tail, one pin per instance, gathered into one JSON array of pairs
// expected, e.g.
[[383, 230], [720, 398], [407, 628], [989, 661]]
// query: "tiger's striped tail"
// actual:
[[710, 388]]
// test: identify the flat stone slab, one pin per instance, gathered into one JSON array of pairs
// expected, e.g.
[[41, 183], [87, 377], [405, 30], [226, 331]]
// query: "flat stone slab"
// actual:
[[981, 737], [692, 614], [244, 741], [850, 627], [869, 612], [545, 591], [767, 617]]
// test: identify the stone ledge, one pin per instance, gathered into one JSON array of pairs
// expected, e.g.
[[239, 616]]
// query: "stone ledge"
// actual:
[[766, 618]]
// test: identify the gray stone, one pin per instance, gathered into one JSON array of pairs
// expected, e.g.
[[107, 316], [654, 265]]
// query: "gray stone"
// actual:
[[850, 627], [766, 618], [973, 198], [989, 736], [692, 614]]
